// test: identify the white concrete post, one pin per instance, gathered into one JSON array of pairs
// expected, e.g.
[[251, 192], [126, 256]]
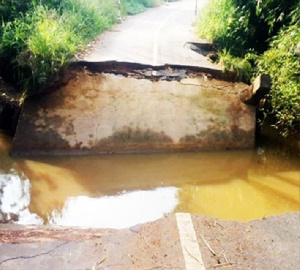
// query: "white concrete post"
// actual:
[[119, 18]]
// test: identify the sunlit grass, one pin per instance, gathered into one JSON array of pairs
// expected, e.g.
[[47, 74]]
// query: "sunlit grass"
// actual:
[[43, 39], [260, 37]]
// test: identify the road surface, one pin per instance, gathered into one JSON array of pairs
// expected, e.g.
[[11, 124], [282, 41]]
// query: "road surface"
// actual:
[[176, 242], [157, 36]]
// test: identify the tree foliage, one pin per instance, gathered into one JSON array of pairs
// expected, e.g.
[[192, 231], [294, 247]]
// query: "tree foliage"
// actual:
[[282, 62], [265, 35], [243, 25]]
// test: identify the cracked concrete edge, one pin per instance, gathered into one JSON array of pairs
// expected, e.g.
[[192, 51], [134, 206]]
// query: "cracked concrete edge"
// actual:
[[15, 233], [270, 243]]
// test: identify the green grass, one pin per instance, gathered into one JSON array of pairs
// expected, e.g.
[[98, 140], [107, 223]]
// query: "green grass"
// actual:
[[41, 40], [227, 26], [38, 37], [134, 7], [137, 6], [282, 62], [260, 37], [241, 67]]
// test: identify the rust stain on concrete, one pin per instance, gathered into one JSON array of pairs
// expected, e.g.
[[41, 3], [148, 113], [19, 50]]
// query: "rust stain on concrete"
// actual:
[[98, 112]]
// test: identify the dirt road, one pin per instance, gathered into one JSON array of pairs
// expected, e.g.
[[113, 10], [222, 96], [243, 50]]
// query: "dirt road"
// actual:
[[158, 36]]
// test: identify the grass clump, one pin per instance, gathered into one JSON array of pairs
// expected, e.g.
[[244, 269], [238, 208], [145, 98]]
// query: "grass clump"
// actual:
[[152, 3], [226, 25], [38, 38], [241, 67], [282, 62], [133, 7], [253, 37]]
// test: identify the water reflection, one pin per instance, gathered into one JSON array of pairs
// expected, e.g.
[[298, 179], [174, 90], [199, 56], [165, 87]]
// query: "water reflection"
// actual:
[[15, 200], [242, 200], [122, 190], [120, 211]]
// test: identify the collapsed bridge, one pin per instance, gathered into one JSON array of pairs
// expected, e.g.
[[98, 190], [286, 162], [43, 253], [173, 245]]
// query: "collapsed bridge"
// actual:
[[113, 107]]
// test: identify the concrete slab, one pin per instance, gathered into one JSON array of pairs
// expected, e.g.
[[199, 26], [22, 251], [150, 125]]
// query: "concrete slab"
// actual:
[[97, 112]]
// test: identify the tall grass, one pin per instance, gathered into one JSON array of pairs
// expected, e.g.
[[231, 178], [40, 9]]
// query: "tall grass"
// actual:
[[226, 25], [260, 37], [39, 37], [282, 62], [40, 41], [241, 67]]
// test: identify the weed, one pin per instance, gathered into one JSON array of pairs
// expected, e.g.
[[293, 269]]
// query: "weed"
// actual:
[[260, 37], [241, 67], [38, 38], [282, 62]]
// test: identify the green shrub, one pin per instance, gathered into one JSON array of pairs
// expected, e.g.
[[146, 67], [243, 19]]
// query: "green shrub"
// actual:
[[42, 39], [13, 40], [243, 25], [282, 62], [241, 67], [51, 43], [152, 3], [245, 29], [134, 7], [11, 9], [138, 6], [226, 25]]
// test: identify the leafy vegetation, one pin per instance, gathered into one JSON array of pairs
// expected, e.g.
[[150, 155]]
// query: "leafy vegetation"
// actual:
[[134, 7], [38, 38], [137, 6], [226, 25], [243, 25], [241, 67], [282, 62], [260, 36]]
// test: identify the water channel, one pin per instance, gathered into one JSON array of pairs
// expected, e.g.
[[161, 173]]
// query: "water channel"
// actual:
[[119, 191]]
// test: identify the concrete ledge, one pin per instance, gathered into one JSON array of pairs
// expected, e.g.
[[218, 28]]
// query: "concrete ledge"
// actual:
[[258, 90], [144, 109]]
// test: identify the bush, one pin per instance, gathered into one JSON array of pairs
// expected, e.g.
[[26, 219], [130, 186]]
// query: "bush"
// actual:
[[282, 62], [152, 3], [49, 46], [226, 25], [138, 6], [243, 25], [245, 29], [11, 9], [40, 41], [241, 67], [134, 7]]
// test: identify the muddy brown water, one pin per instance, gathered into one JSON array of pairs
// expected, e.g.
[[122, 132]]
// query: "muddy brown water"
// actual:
[[118, 191]]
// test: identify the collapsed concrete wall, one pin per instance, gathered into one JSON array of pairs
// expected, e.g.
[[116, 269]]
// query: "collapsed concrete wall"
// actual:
[[170, 110]]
